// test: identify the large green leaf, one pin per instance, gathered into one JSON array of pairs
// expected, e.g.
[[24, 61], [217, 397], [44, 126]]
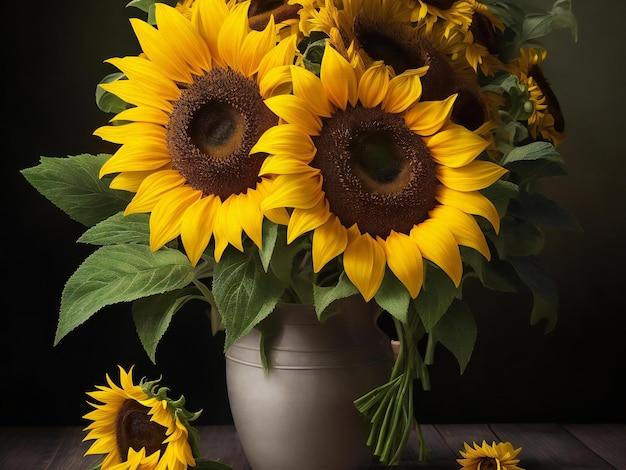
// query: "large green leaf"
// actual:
[[152, 315], [119, 273], [457, 331], [536, 208], [73, 185], [494, 274], [517, 239], [435, 297], [118, 230], [244, 293], [324, 296], [393, 297], [544, 290]]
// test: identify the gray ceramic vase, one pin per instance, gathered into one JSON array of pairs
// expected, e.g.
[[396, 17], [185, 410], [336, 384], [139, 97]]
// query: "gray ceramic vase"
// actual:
[[301, 415]]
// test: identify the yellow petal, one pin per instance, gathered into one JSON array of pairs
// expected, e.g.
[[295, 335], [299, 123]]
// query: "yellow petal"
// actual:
[[232, 34], [197, 226], [471, 177], [306, 84], [143, 113], [285, 139], [437, 244], [295, 110], [405, 261], [364, 263], [427, 117], [251, 216], [276, 81], [208, 17], [227, 228], [297, 191], [373, 85], [338, 78], [302, 221], [280, 56], [131, 180], [167, 214], [255, 45], [152, 190], [285, 165], [148, 75], [134, 93], [278, 215], [404, 90], [329, 241], [138, 155], [133, 130], [455, 146], [471, 202], [464, 228]]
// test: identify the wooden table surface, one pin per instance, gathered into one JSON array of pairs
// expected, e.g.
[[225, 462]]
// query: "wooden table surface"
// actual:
[[545, 446]]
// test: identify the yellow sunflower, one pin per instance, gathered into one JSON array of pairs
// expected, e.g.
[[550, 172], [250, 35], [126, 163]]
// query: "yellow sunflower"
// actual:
[[499, 456], [546, 119], [197, 111], [378, 176], [135, 426]]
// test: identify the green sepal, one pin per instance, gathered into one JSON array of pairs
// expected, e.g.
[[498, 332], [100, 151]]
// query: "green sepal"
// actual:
[[97, 466], [119, 273], [244, 293], [152, 315], [457, 331], [436, 296], [544, 290], [312, 49], [107, 101], [73, 185], [118, 230]]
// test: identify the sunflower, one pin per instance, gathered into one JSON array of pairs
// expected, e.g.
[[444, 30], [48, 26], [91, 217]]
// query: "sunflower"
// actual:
[[137, 426], [377, 176], [197, 111], [546, 119], [499, 456]]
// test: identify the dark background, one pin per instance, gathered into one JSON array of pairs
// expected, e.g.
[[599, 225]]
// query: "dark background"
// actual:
[[53, 58]]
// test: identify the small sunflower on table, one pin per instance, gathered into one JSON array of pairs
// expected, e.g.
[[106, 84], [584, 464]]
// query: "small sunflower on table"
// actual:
[[306, 151]]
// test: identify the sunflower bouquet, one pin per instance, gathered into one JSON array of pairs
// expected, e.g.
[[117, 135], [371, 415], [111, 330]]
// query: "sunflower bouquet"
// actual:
[[306, 151]]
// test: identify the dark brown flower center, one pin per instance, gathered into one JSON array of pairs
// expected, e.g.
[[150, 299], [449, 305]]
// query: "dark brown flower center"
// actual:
[[260, 11], [133, 428], [487, 463], [403, 48], [554, 107], [376, 172], [212, 128]]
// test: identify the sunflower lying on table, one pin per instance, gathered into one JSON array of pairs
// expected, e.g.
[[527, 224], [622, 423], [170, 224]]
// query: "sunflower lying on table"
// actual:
[[139, 426]]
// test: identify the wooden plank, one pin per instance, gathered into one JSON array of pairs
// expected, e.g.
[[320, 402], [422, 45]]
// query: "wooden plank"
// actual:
[[27, 447], [222, 444], [548, 446], [456, 434], [606, 440], [71, 452]]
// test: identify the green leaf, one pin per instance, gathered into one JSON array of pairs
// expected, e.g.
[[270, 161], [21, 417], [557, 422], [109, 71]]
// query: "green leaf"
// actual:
[[108, 102], [393, 297], [534, 151], [494, 274], [543, 288], [324, 296], [152, 315], [270, 234], [119, 273], [72, 184], [436, 296], [457, 331], [244, 293], [118, 230], [500, 193], [517, 239], [204, 464], [536, 208]]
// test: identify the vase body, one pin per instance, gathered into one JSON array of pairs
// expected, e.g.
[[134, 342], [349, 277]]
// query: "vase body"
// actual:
[[301, 415]]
